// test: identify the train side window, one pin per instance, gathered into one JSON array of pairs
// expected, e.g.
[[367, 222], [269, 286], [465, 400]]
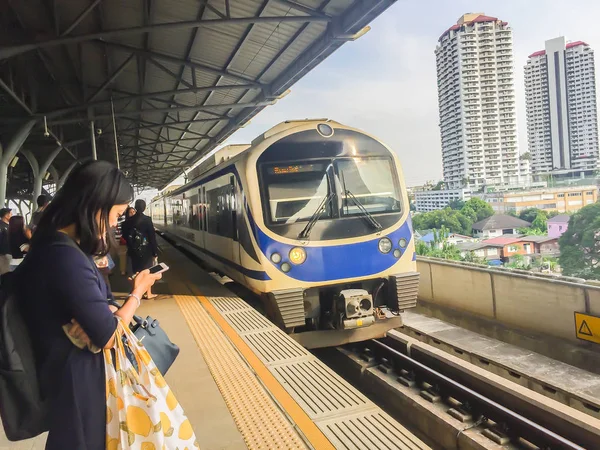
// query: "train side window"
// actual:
[[219, 211]]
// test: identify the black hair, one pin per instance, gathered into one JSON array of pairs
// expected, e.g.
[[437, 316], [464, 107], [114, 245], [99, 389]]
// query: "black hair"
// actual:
[[140, 206], [42, 200], [92, 187]]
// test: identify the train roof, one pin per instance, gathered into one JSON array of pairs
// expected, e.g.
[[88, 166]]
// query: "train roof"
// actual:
[[231, 151]]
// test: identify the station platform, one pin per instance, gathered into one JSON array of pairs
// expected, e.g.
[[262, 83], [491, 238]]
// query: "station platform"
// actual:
[[243, 382]]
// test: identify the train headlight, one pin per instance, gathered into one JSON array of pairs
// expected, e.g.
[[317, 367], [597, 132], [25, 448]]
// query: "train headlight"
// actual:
[[297, 255], [385, 245], [276, 258], [286, 267], [397, 253], [402, 243], [325, 130]]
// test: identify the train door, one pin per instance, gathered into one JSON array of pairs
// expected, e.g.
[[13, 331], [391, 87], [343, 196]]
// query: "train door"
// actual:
[[202, 216], [236, 215]]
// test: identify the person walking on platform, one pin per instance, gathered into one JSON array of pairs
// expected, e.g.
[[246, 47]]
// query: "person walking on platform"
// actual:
[[42, 202], [123, 256], [138, 232], [64, 303], [5, 257]]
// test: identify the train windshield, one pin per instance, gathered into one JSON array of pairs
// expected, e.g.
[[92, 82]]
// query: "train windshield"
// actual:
[[364, 186], [295, 191], [367, 184]]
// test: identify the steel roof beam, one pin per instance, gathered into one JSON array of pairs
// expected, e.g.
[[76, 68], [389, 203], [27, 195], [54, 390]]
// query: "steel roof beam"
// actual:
[[164, 110], [80, 17], [14, 50], [305, 9], [352, 21], [153, 55], [110, 79], [188, 52]]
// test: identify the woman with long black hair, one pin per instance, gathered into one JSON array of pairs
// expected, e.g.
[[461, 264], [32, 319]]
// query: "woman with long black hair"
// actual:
[[139, 234], [60, 288]]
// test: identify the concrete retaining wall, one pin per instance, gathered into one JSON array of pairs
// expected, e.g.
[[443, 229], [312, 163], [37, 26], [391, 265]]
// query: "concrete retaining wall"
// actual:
[[537, 303]]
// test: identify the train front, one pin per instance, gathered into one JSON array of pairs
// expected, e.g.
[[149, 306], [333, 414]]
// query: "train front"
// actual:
[[334, 231]]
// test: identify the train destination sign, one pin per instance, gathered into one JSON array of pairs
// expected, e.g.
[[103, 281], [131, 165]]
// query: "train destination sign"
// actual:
[[296, 168]]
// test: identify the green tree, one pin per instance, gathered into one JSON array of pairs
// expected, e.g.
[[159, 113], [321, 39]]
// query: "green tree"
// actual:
[[453, 220], [526, 155], [439, 186], [530, 214], [531, 231], [456, 204], [412, 206], [477, 209], [540, 222], [518, 262], [580, 244]]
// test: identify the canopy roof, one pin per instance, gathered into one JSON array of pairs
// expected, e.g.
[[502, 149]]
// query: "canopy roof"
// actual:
[[181, 75]]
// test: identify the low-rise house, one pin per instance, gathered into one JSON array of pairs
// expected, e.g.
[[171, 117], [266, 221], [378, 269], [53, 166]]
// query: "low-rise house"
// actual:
[[544, 245], [450, 238], [513, 245], [489, 252], [558, 225], [498, 225]]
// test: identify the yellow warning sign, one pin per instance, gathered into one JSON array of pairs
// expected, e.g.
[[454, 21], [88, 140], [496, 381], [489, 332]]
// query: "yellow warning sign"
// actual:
[[587, 327]]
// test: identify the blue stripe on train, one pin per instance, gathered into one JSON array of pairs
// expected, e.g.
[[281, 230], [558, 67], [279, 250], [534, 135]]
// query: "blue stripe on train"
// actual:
[[338, 261]]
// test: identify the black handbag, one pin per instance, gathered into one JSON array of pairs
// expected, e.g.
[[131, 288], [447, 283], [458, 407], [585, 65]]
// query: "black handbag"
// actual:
[[156, 341]]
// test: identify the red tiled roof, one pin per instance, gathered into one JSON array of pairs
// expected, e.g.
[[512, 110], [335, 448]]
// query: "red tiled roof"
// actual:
[[540, 53], [501, 240], [569, 45], [483, 19], [478, 19], [452, 28]]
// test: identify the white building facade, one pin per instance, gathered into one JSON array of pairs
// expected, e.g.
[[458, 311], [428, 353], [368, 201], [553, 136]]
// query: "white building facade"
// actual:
[[476, 99], [562, 119], [426, 201]]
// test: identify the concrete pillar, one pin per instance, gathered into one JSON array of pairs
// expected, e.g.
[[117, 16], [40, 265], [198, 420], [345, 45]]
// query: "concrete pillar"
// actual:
[[8, 153]]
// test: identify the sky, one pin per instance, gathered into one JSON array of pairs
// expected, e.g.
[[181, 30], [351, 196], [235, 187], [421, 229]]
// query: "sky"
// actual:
[[385, 82]]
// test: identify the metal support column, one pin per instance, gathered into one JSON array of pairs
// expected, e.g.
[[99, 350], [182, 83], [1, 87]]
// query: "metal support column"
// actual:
[[9, 153], [93, 138], [41, 173]]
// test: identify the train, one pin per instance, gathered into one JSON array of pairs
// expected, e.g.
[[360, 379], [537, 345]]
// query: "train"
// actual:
[[313, 217]]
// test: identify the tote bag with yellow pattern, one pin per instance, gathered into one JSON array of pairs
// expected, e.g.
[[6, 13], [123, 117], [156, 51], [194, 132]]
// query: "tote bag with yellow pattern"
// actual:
[[141, 411]]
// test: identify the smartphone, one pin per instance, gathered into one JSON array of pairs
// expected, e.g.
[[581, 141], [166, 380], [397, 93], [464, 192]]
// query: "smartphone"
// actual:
[[159, 268]]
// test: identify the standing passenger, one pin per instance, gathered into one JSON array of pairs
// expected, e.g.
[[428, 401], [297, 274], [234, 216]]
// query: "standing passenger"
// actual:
[[42, 202], [58, 284], [5, 257], [138, 231], [18, 239]]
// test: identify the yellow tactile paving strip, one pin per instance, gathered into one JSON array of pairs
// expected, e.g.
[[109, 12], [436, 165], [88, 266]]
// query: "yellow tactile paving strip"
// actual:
[[261, 423]]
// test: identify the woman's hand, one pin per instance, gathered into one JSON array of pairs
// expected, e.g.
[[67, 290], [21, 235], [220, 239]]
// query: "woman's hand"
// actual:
[[143, 281], [77, 332]]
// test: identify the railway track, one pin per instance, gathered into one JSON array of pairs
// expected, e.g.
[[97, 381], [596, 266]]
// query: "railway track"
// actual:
[[459, 405], [454, 404]]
